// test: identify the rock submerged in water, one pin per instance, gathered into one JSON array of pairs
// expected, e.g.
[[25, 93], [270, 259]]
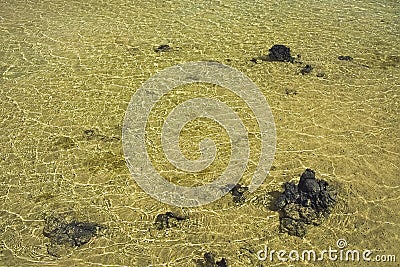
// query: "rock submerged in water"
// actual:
[[309, 202], [167, 220], [238, 193], [346, 58], [209, 261], [72, 234], [280, 53], [307, 69], [162, 48], [277, 52]]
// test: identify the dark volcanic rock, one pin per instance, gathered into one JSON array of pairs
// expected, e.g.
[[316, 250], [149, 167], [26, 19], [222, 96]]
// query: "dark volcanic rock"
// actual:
[[308, 183], [276, 53], [309, 202], [167, 220], [238, 193], [209, 261], [280, 53], [72, 234], [307, 69], [162, 48], [347, 58]]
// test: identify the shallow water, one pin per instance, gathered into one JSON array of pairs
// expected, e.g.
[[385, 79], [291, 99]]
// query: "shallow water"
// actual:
[[68, 71]]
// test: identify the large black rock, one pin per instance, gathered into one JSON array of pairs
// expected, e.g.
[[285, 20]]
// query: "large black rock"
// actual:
[[280, 53], [276, 53], [309, 202]]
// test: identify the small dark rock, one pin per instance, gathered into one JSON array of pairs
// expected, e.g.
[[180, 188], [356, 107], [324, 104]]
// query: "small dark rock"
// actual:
[[162, 48], [309, 202], [347, 58], [320, 74], [255, 60], [209, 261], [238, 193], [280, 53], [167, 220], [290, 91], [238, 190], [307, 69]]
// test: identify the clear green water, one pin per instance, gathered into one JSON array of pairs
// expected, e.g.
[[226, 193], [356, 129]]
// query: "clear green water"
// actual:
[[67, 67]]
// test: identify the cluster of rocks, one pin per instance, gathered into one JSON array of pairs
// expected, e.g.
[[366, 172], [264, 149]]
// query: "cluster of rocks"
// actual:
[[309, 202], [281, 53], [278, 52], [302, 204]]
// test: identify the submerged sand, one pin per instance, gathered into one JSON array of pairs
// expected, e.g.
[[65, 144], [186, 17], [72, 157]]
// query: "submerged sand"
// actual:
[[68, 71]]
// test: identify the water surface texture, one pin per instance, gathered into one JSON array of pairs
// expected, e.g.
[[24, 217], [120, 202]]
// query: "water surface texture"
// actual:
[[69, 69]]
